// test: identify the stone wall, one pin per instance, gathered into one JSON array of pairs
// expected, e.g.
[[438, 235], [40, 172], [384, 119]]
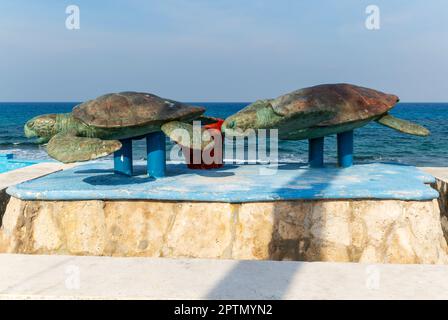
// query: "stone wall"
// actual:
[[346, 231], [442, 187], [4, 199]]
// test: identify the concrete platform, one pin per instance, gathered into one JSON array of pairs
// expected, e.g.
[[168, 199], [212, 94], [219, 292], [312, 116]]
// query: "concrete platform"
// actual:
[[233, 184], [70, 277], [441, 185]]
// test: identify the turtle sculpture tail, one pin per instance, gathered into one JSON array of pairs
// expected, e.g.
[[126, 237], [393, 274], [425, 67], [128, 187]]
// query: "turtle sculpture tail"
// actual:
[[68, 148], [403, 125]]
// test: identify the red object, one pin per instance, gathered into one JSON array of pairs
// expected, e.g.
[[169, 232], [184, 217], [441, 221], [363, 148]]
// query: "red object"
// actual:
[[216, 125], [202, 165]]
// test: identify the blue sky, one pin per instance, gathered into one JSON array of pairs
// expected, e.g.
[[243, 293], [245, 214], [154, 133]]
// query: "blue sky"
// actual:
[[220, 50]]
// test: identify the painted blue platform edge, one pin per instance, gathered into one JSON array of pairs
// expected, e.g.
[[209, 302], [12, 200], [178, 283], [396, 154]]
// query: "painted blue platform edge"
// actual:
[[232, 183]]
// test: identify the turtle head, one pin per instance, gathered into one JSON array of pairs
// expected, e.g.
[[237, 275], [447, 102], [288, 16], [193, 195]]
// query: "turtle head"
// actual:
[[258, 115], [43, 127]]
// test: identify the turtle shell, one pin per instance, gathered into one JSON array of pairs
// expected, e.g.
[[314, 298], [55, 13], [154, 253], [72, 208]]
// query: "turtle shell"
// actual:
[[126, 109], [347, 102]]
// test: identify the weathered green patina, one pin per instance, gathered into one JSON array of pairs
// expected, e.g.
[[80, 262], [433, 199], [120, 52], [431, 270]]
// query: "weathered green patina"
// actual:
[[93, 129], [320, 111]]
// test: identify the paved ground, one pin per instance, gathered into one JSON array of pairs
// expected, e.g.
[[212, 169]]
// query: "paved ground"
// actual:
[[68, 277], [440, 173], [31, 172]]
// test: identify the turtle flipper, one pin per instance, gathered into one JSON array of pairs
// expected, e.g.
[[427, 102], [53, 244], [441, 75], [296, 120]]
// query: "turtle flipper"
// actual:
[[69, 148], [403, 126], [183, 134]]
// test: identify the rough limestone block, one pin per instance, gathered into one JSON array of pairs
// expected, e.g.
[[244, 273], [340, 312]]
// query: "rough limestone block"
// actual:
[[200, 230], [43, 232], [12, 223], [355, 231], [85, 231], [369, 231], [442, 187], [254, 231], [137, 228], [4, 199]]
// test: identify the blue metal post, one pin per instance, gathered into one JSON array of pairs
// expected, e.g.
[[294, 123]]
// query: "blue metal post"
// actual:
[[316, 152], [155, 144], [345, 149], [123, 158]]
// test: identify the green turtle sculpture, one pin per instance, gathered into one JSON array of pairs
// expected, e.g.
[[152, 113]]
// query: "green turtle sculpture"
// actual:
[[315, 112], [99, 127]]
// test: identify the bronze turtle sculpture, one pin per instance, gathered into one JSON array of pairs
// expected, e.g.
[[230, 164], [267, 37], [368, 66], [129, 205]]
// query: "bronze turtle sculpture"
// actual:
[[94, 128], [319, 111], [315, 112]]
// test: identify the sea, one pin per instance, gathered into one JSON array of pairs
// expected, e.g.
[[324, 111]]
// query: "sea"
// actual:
[[373, 143]]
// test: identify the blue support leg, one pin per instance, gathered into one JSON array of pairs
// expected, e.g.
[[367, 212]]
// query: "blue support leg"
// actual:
[[345, 149], [316, 152], [155, 144], [123, 158]]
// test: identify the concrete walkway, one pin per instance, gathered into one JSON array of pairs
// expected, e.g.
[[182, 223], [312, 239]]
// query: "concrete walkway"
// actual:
[[68, 277], [31, 172], [440, 173]]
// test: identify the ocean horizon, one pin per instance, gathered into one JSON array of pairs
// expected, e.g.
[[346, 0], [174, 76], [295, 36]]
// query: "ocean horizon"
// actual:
[[373, 143]]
